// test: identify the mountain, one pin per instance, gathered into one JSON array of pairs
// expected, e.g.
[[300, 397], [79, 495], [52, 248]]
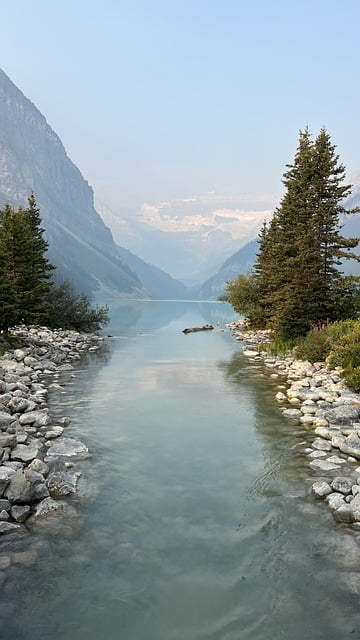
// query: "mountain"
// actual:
[[190, 238], [241, 261], [33, 158]]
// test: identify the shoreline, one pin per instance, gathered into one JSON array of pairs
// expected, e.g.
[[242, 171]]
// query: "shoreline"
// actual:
[[317, 398], [37, 458]]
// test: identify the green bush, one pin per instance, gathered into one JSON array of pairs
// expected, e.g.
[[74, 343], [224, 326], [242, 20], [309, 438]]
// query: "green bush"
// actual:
[[346, 350], [69, 310], [352, 379], [315, 346]]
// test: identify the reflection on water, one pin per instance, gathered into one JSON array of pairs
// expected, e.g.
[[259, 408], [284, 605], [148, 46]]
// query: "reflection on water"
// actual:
[[129, 317], [194, 520]]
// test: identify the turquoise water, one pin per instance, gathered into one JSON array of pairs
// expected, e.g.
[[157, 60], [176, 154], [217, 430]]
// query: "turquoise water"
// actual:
[[194, 519]]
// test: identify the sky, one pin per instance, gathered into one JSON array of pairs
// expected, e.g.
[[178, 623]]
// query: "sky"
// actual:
[[156, 100]]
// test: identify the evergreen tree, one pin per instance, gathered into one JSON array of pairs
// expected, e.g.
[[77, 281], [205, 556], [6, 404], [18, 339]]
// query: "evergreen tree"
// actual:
[[295, 281], [36, 284], [8, 309], [25, 268]]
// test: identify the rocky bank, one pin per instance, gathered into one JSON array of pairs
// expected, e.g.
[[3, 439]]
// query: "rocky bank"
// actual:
[[37, 467], [318, 398]]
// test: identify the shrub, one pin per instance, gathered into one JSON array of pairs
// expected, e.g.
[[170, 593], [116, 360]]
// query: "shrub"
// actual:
[[315, 346], [352, 379], [69, 310]]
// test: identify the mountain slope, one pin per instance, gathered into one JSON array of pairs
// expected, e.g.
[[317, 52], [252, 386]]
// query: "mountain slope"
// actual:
[[33, 158], [241, 261]]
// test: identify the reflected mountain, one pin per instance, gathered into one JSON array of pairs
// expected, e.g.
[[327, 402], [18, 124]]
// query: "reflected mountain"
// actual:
[[131, 317]]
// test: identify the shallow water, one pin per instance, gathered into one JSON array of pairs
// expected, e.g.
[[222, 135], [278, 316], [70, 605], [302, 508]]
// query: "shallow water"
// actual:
[[195, 519]]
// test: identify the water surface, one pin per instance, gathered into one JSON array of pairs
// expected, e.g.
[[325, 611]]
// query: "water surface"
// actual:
[[195, 520]]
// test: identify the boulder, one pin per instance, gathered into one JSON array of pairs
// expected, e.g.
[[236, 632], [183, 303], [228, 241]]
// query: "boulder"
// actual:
[[343, 414], [351, 445], [67, 448], [342, 485], [8, 527], [321, 489], [62, 483], [39, 418], [323, 465], [27, 452]]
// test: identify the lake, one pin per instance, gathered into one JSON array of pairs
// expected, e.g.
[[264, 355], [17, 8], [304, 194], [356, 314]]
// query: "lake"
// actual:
[[194, 519]]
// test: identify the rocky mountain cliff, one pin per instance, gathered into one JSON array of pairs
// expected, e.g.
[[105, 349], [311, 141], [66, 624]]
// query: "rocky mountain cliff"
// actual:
[[33, 158]]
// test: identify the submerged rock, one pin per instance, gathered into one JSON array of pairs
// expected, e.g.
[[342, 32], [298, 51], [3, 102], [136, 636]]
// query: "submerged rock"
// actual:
[[8, 527], [67, 448]]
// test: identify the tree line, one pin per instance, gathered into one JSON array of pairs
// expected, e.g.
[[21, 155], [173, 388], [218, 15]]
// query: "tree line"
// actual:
[[296, 282], [27, 292]]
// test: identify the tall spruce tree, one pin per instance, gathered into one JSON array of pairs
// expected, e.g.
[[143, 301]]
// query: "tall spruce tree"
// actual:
[[296, 279], [25, 268]]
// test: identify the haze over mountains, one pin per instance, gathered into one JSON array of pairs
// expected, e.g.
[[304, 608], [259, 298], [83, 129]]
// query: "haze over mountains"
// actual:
[[202, 241], [190, 238], [33, 158]]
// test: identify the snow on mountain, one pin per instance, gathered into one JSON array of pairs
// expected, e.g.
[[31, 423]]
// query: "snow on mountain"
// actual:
[[190, 238]]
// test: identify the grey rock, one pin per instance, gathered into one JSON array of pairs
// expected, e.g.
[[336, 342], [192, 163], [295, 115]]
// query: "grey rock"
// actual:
[[64, 421], [346, 513], [343, 414], [62, 483], [321, 444], [7, 440], [67, 448], [8, 527], [26, 452], [40, 466], [351, 446], [39, 418], [20, 513], [292, 413], [335, 500], [337, 441], [26, 488], [321, 489], [70, 367], [19, 405], [5, 419], [342, 485], [323, 465], [4, 516], [54, 432], [336, 460], [323, 432], [47, 507], [317, 454]]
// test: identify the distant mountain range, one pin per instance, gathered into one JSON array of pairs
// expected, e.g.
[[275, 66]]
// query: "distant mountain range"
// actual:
[[32, 158], [242, 261], [190, 238]]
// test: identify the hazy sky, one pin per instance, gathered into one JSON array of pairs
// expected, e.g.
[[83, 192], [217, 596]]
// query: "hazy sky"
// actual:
[[158, 99]]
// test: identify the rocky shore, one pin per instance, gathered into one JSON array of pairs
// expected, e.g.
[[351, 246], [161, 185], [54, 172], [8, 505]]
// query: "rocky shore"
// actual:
[[318, 398], [37, 459]]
